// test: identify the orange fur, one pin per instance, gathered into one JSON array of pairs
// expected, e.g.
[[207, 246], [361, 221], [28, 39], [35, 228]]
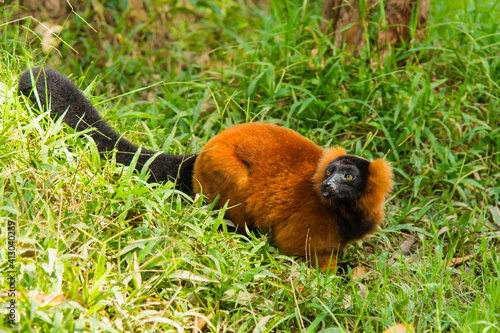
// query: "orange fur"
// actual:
[[271, 177], [379, 185]]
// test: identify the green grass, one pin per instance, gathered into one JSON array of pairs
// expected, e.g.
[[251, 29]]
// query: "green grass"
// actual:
[[130, 256]]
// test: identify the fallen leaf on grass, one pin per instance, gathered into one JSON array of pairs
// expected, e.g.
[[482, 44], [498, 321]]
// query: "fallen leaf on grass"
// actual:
[[7, 294], [261, 325], [460, 260], [49, 32], [400, 328], [186, 275], [208, 106], [492, 226], [359, 272], [51, 299], [495, 214], [27, 250], [347, 300], [302, 290], [362, 291], [314, 52], [406, 246], [162, 320], [202, 322], [442, 231], [404, 251], [415, 258]]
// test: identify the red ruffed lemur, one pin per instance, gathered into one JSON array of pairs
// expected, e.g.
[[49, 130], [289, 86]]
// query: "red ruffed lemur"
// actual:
[[312, 200]]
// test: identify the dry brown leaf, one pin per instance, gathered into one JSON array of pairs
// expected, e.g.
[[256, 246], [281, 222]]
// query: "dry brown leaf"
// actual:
[[51, 299], [400, 328], [301, 289], [492, 226], [460, 260], [27, 250], [187, 275], [359, 272], [495, 214], [405, 250], [7, 294], [362, 291], [200, 323], [49, 32], [314, 52], [406, 246], [208, 106], [442, 231], [412, 259], [347, 300]]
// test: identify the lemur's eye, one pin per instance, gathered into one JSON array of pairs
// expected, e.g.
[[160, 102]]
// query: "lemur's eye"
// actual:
[[328, 173], [349, 176]]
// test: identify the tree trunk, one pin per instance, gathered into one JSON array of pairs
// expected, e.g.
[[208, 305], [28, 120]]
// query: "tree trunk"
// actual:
[[348, 20]]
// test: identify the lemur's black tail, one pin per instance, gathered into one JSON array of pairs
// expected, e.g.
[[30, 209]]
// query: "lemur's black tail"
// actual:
[[56, 92]]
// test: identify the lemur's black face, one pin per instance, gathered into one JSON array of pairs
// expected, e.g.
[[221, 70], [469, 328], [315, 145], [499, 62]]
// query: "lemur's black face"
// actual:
[[345, 178]]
